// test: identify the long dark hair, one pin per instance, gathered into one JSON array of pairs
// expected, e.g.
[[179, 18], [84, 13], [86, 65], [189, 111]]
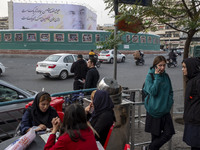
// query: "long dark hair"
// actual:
[[74, 121]]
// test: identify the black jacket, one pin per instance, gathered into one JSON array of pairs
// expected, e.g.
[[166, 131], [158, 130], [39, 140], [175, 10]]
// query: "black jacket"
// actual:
[[79, 68], [92, 78], [192, 93], [102, 124]]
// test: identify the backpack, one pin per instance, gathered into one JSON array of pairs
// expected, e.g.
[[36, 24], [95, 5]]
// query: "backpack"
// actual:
[[144, 94]]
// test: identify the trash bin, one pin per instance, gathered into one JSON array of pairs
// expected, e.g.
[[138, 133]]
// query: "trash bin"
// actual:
[[121, 132]]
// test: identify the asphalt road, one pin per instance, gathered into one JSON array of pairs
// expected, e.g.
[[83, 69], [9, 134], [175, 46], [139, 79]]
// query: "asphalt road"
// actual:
[[20, 71]]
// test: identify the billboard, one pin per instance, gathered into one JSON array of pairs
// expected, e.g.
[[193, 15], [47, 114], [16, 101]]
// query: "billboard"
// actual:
[[53, 16]]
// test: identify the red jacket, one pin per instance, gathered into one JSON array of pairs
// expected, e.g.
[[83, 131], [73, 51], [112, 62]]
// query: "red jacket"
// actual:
[[65, 143]]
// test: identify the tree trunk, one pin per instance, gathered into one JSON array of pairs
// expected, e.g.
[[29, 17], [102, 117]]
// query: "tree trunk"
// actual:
[[187, 43]]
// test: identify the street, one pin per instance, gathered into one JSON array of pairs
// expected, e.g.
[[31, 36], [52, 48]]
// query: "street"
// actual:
[[20, 71]]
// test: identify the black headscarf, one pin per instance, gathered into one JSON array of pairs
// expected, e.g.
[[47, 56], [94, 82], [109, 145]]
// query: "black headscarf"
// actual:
[[40, 117], [193, 67], [102, 102]]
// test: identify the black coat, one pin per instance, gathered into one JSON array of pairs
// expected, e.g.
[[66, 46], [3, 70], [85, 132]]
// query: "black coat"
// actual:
[[92, 78], [102, 125], [79, 68], [192, 93]]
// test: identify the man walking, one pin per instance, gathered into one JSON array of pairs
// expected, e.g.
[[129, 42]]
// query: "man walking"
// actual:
[[92, 76], [79, 68]]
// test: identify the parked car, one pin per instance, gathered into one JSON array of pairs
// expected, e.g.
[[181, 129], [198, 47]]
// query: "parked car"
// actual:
[[56, 66], [2, 68], [179, 51], [108, 56], [10, 115]]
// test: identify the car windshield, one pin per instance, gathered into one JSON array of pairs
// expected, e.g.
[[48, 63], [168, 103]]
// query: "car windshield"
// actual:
[[104, 52], [53, 58]]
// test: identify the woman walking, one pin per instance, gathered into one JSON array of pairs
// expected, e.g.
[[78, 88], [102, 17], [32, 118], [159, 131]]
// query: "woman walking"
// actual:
[[158, 103]]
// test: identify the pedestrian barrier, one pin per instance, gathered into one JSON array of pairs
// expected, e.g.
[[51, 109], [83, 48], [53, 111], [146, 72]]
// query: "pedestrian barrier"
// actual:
[[137, 110]]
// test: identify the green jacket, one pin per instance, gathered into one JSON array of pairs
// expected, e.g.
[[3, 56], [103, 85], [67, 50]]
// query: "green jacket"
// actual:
[[159, 99]]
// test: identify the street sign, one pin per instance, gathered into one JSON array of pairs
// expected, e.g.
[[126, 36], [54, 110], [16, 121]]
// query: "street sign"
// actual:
[[137, 2]]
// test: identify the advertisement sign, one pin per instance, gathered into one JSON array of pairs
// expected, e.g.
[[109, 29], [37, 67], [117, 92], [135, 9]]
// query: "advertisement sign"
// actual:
[[53, 16]]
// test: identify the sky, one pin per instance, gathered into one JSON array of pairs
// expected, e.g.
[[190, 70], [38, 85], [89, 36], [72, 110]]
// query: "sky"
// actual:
[[97, 5]]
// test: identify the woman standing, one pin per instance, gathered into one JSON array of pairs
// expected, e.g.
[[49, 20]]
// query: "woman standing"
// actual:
[[39, 114], [158, 103], [102, 117], [74, 133], [191, 69]]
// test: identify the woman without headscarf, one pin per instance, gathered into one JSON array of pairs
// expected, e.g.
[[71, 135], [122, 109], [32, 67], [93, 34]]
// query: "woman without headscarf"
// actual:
[[158, 103], [191, 69], [102, 117], [74, 133], [39, 114]]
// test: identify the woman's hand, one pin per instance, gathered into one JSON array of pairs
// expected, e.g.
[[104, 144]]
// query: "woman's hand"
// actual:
[[157, 70], [56, 124], [41, 127], [88, 108]]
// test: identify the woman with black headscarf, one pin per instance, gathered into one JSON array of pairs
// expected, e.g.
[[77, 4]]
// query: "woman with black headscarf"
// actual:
[[39, 114], [102, 117], [191, 69]]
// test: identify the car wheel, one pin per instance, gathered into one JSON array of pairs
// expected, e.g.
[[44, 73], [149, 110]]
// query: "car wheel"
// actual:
[[63, 75], [123, 59], [111, 60], [0, 71]]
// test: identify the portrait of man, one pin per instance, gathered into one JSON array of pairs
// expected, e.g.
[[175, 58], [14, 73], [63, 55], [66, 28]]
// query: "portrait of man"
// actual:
[[75, 17]]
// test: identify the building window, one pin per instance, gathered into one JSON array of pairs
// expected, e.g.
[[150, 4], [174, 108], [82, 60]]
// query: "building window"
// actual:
[[31, 36], [58, 37], [18, 36], [86, 37], [127, 38], [135, 38], [73, 37], [142, 39], [154, 40], [97, 37], [7, 37], [149, 39], [44, 37]]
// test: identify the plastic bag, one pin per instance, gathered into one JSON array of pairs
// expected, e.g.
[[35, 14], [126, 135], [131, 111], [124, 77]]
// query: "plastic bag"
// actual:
[[22, 142]]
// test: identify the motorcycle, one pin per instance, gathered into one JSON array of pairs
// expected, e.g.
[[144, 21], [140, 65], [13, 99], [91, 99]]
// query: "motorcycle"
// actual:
[[140, 61], [171, 63]]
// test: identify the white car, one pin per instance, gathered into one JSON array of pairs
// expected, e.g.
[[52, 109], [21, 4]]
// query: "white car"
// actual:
[[2, 68], [56, 66], [108, 56]]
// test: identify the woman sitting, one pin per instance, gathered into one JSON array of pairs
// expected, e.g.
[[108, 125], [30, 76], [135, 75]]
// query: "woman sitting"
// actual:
[[39, 114], [74, 133], [102, 117]]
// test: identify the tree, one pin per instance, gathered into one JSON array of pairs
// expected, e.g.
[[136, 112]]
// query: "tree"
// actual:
[[185, 15]]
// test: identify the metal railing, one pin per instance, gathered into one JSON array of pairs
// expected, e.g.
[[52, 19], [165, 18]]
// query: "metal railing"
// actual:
[[139, 112]]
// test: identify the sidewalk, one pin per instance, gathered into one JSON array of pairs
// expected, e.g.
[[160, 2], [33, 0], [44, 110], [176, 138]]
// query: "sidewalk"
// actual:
[[177, 142], [48, 52]]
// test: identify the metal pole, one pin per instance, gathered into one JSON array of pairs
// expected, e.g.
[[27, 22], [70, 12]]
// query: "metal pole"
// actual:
[[115, 34]]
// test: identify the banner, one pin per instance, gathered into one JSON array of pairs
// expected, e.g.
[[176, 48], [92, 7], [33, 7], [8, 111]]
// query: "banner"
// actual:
[[53, 16]]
